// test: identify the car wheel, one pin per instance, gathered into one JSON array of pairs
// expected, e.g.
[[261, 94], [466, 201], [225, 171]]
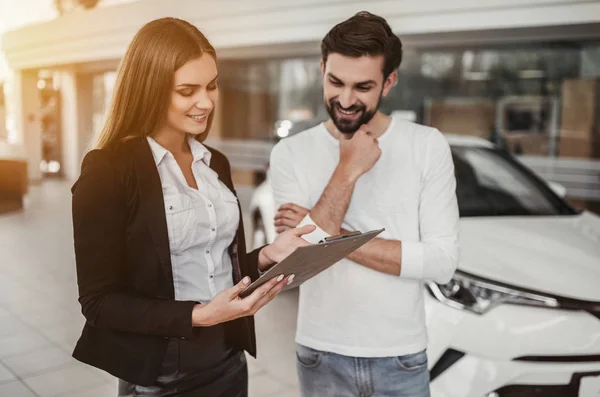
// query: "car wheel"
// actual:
[[259, 234]]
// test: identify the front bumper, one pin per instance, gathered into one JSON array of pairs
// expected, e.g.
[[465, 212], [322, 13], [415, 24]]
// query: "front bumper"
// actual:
[[477, 376], [511, 350]]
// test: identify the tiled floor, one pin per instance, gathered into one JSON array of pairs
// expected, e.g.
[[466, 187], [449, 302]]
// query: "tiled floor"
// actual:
[[40, 318]]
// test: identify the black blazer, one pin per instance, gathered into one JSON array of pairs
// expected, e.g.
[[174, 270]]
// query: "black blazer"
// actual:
[[124, 269]]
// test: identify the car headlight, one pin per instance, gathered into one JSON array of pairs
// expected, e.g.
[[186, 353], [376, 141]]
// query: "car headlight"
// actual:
[[468, 293]]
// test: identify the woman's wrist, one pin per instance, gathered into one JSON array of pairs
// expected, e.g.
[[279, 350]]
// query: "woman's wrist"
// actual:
[[200, 316], [264, 262]]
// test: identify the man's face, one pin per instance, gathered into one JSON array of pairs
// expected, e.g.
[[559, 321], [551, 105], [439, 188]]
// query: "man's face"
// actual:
[[353, 88]]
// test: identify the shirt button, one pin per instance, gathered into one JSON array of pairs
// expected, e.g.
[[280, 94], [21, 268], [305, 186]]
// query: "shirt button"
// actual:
[[210, 206], [212, 276], [213, 229], [208, 251], [170, 207]]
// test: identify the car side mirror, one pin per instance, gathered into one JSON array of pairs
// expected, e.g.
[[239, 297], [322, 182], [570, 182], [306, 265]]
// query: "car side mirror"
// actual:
[[557, 188]]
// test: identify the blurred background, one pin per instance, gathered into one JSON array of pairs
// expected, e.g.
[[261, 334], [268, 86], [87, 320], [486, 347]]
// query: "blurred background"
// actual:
[[522, 74]]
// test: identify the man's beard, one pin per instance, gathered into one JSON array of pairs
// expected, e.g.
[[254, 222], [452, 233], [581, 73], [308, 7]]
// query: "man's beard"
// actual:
[[350, 126]]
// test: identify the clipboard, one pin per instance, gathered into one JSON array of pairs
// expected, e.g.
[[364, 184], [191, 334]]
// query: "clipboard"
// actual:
[[307, 262]]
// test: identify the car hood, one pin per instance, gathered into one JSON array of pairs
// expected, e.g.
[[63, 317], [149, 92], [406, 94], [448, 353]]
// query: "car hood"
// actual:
[[559, 255]]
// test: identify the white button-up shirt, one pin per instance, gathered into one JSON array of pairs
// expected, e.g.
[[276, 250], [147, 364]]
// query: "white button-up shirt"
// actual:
[[201, 224]]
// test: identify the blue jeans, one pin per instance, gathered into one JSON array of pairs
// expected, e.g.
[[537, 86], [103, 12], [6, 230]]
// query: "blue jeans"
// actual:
[[324, 374]]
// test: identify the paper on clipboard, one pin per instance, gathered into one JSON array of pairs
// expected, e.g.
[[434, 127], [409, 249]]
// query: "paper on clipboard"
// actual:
[[307, 262]]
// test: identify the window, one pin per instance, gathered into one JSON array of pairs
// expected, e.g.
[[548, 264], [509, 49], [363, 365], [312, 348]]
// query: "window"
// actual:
[[491, 183]]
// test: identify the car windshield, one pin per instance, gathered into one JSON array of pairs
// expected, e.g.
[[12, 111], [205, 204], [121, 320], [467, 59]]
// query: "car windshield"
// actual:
[[491, 183]]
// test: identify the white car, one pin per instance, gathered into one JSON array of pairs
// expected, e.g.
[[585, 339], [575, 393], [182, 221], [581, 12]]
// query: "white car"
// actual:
[[521, 317]]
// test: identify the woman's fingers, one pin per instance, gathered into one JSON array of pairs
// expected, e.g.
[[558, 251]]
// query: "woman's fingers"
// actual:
[[249, 303], [228, 305], [306, 229], [237, 289], [273, 292]]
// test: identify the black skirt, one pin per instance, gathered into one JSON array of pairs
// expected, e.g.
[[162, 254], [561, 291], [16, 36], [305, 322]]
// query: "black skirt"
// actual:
[[202, 367]]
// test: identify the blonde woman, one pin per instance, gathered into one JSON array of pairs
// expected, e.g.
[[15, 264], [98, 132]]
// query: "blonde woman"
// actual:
[[159, 241]]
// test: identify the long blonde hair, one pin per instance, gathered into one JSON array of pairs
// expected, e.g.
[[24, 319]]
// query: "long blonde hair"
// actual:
[[145, 76]]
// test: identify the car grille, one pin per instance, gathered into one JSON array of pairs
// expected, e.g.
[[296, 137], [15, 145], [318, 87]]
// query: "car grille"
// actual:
[[538, 391], [569, 390], [592, 358]]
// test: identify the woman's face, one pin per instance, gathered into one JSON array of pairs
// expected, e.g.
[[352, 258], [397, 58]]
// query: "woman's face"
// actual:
[[194, 96]]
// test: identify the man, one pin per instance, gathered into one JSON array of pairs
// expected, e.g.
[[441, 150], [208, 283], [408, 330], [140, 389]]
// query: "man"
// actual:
[[361, 323]]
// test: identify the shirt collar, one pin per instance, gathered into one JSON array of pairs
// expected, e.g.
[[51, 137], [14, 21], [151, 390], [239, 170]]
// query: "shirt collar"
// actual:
[[158, 152], [199, 151]]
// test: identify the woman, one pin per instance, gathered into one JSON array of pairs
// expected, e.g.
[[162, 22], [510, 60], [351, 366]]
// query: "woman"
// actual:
[[159, 241]]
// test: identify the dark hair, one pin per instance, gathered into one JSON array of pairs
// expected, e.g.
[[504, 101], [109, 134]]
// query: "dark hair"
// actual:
[[364, 34]]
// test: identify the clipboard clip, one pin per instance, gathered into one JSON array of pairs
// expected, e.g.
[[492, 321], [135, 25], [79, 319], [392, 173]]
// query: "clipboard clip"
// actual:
[[340, 237]]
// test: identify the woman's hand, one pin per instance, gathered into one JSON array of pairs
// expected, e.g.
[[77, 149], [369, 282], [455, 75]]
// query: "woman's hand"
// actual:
[[227, 305], [283, 246]]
